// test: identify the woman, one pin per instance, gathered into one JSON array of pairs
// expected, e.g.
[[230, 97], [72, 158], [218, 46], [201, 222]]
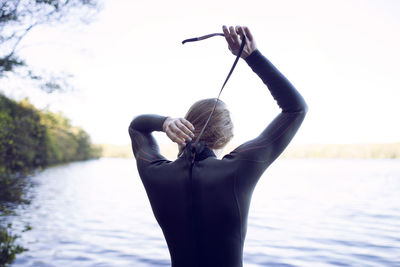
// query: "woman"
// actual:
[[202, 203]]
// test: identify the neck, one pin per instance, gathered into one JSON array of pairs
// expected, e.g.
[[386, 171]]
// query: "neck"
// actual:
[[202, 151]]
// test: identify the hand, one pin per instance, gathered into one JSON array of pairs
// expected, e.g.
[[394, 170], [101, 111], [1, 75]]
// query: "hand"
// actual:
[[232, 37], [178, 130]]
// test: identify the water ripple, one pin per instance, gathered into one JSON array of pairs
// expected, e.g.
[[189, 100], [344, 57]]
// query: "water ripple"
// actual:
[[303, 213]]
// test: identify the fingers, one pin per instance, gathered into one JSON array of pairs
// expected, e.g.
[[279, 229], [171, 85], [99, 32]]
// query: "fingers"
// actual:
[[231, 37], [234, 42], [175, 138], [234, 36], [185, 132], [179, 131], [227, 36], [248, 34], [188, 125], [239, 31]]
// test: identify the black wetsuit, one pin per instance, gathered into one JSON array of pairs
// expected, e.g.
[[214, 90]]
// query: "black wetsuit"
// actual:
[[202, 208]]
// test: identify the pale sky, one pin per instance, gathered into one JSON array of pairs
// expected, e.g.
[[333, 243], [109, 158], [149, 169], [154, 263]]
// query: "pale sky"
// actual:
[[343, 57]]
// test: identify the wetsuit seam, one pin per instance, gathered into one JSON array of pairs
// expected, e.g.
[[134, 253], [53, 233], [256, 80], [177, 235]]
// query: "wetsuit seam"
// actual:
[[240, 215], [282, 122], [273, 141], [192, 213]]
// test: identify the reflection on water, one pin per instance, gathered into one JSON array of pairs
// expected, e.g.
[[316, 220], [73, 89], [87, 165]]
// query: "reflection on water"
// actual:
[[303, 213]]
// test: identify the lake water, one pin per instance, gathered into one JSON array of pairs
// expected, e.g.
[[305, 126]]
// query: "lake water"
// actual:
[[303, 213]]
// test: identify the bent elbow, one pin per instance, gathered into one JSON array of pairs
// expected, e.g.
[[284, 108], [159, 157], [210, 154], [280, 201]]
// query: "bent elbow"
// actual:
[[130, 129], [304, 107], [132, 125], [301, 108]]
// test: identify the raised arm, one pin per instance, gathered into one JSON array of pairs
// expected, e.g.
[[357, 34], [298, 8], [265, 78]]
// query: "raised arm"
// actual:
[[276, 136], [144, 146]]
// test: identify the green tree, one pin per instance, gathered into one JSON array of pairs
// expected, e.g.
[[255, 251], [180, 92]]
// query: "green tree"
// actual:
[[19, 17], [30, 138], [8, 248], [22, 137]]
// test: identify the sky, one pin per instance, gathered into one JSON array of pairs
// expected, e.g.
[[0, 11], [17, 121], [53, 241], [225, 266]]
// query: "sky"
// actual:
[[343, 56]]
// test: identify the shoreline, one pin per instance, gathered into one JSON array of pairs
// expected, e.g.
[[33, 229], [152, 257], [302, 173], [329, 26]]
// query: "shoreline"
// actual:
[[342, 151]]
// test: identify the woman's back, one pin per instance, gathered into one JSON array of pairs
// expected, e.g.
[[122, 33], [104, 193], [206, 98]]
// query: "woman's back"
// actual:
[[202, 205], [200, 210]]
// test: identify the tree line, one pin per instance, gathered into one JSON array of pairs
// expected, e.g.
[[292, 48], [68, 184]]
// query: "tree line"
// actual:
[[30, 139]]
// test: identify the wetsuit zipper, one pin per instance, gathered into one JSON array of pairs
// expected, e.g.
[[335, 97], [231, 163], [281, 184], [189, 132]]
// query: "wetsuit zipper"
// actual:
[[192, 216]]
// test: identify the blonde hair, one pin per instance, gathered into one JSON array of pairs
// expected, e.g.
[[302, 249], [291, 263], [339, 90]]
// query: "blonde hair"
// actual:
[[219, 130]]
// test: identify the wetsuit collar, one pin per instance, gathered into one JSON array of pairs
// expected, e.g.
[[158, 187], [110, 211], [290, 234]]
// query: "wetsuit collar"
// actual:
[[205, 154], [201, 151]]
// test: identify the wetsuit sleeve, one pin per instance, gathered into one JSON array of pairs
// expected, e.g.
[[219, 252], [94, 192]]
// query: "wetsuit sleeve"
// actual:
[[264, 149], [144, 145]]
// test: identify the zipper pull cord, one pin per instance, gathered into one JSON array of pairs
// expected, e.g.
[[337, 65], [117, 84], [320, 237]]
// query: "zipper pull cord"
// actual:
[[193, 150]]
